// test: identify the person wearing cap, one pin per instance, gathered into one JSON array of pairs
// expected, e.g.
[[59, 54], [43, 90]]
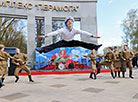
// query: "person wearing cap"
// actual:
[[3, 64], [68, 32], [93, 57], [127, 56], [20, 62], [108, 61], [117, 62]]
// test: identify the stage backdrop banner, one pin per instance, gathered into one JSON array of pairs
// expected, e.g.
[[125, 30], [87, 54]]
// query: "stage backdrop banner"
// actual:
[[64, 59]]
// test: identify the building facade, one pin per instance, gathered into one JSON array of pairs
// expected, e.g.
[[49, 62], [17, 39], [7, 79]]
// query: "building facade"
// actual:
[[82, 10]]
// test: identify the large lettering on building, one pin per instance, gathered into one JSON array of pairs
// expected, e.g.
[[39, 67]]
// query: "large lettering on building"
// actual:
[[39, 6]]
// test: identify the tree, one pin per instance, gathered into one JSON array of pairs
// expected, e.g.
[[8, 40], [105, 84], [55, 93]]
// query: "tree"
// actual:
[[55, 26], [130, 29], [12, 34]]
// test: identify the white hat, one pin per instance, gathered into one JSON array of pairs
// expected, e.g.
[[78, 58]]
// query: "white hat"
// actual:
[[69, 18]]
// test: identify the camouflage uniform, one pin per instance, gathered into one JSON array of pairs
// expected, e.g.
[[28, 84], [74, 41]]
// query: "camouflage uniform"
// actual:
[[93, 63], [21, 64], [108, 61], [117, 63], [3, 64], [127, 57]]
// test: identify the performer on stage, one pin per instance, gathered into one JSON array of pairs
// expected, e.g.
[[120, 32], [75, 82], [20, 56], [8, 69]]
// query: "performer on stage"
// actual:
[[3, 64], [108, 61], [21, 64], [117, 62], [127, 57], [93, 57], [68, 32]]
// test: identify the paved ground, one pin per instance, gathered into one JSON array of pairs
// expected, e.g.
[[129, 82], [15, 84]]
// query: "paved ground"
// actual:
[[71, 88]]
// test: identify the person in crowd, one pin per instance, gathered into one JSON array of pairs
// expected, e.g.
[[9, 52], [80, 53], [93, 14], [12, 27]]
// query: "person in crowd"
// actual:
[[20, 63], [117, 62], [127, 56], [93, 57], [108, 61]]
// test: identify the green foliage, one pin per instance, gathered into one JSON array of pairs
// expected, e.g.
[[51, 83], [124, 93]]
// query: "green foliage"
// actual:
[[11, 35], [130, 29]]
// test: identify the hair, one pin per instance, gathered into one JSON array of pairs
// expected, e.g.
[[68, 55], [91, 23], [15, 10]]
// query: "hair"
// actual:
[[126, 45], [110, 48], [68, 20], [115, 47]]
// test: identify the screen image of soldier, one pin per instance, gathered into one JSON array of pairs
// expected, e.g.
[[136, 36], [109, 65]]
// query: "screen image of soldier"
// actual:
[[127, 56], [21, 64], [117, 62], [108, 61], [3, 64], [68, 32], [93, 57]]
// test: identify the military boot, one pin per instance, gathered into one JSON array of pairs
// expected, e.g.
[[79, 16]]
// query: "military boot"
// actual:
[[17, 78], [98, 71], [115, 73], [2, 79], [91, 75], [123, 74], [30, 78], [94, 76], [112, 74], [119, 74], [130, 75], [1, 85]]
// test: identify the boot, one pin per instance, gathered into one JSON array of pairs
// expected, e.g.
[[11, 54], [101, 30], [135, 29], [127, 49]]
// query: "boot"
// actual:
[[115, 73], [17, 78], [39, 50], [1, 85], [112, 75], [94, 76], [123, 74], [2, 79], [97, 47], [119, 74], [91, 75], [98, 71], [130, 75], [30, 78]]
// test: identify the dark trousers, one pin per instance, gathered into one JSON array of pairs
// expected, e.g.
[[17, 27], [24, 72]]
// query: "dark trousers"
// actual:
[[72, 43]]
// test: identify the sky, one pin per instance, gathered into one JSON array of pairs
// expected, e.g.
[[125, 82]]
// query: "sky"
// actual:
[[110, 14]]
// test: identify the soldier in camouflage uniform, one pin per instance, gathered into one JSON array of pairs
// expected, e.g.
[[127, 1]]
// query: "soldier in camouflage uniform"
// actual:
[[117, 62], [108, 61], [136, 54], [127, 57], [21, 64], [3, 64], [93, 57]]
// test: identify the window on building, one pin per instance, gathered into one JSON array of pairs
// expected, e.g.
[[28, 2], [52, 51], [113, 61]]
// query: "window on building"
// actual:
[[39, 29]]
